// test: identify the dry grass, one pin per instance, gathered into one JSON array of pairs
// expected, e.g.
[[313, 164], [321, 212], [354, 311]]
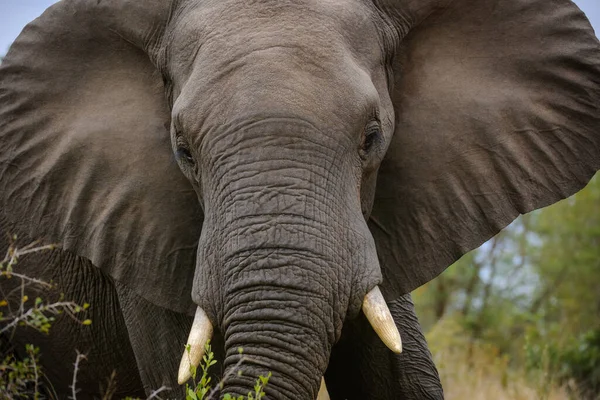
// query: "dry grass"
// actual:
[[477, 371]]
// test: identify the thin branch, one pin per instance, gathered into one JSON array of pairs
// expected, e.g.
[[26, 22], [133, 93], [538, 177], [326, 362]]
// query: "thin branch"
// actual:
[[13, 253], [25, 250], [111, 386], [26, 278], [54, 309], [75, 371], [23, 317], [549, 289], [466, 309], [218, 387], [22, 299], [155, 393], [35, 371]]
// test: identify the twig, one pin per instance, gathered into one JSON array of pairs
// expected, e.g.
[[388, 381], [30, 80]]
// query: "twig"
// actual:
[[155, 393], [13, 253], [54, 309], [75, 370], [25, 250], [24, 278], [22, 299], [35, 371], [221, 383], [16, 320], [111, 386]]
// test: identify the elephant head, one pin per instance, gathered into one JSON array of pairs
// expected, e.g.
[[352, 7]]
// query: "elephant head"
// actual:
[[299, 154]]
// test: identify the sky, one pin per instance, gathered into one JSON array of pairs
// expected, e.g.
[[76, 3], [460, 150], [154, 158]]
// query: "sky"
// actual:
[[14, 14]]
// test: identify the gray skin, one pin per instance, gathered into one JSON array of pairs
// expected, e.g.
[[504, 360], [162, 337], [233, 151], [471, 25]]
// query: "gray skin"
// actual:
[[273, 161], [139, 360]]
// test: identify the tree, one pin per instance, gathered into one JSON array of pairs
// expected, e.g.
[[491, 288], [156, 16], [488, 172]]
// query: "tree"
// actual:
[[534, 286]]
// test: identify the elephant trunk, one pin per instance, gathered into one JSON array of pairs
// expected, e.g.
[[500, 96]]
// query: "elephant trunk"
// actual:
[[281, 326], [285, 297], [284, 257]]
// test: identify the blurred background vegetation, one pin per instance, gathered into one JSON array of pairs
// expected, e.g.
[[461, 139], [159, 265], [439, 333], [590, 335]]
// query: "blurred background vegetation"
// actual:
[[519, 317]]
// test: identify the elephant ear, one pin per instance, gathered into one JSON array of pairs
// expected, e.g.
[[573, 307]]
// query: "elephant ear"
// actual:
[[497, 108], [85, 153]]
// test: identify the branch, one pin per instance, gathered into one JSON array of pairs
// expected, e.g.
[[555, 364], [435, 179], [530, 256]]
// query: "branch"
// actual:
[[16, 320], [32, 354], [537, 303], [26, 278], [75, 371], [54, 309], [218, 387], [155, 393]]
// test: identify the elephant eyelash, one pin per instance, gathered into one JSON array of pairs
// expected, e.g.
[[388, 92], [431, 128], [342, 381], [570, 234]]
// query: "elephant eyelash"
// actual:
[[371, 137], [183, 151]]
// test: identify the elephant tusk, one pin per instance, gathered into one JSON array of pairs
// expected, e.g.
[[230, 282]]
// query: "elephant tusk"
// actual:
[[378, 314], [200, 333], [323, 393]]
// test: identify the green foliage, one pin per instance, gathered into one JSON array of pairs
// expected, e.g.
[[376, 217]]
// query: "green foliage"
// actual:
[[532, 293], [38, 314], [568, 263], [202, 390], [19, 379], [576, 361], [259, 392], [582, 362], [477, 370]]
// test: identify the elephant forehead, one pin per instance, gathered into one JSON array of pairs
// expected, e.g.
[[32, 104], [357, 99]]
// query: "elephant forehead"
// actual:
[[230, 28]]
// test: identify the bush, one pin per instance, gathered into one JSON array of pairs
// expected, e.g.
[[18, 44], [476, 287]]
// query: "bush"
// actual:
[[22, 378], [581, 362], [202, 390], [477, 370]]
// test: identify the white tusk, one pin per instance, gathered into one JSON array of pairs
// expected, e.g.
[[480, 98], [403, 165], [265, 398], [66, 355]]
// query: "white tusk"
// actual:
[[323, 393], [200, 333], [378, 314]]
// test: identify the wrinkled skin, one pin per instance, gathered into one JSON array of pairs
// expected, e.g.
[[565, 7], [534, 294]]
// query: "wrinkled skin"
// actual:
[[272, 162], [132, 333]]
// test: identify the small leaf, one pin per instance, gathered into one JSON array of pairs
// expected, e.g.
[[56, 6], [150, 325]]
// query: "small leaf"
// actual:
[[86, 322]]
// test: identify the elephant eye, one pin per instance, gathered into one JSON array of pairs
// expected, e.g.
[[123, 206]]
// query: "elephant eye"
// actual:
[[371, 138], [183, 153]]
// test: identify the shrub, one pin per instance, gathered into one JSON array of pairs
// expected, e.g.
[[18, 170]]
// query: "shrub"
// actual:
[[22, 378], [202, 389]]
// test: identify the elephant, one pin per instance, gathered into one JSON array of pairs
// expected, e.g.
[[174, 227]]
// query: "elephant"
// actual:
[[280, 175]]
